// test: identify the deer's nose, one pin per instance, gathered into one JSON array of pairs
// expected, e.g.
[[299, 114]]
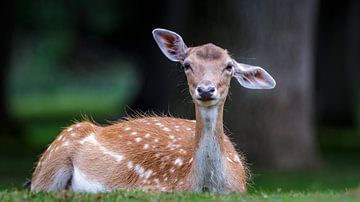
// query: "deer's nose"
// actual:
[[205, 90]]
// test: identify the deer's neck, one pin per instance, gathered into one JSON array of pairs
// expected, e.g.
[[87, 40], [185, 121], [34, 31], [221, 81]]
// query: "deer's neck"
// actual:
[[208, 166]]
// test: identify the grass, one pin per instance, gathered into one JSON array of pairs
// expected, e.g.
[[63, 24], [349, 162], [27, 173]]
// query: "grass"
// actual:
[[136, 195]]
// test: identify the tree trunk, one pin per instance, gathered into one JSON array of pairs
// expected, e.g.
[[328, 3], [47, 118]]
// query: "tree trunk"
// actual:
[[274, 128]]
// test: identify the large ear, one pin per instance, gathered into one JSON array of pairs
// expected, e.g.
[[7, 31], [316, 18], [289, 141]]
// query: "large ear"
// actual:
[[253, 77], [171, 44]]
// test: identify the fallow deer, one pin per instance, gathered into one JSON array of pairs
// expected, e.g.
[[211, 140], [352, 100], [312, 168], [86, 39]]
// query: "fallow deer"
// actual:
[[157, 152]]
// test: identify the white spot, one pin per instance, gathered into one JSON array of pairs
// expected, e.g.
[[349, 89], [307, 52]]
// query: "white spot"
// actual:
[[178, 162], [163, 189], [229, 159], [194, 121], [83, 183], [182, 151], [73, 134], [172, 169], [177, 126], [146, 146], [69, 129], [78, 125], [236, 157], [147, 135], [138, 139], [130, 165], [148, 174], [157, 155], [66, 143], [134, 133], [139, 170], [165, 179], [188, 129], [167, 129], [127, 128], [91, 139], [156, 140], [181, 182], [147, 123], [172, 137], [190, 160]]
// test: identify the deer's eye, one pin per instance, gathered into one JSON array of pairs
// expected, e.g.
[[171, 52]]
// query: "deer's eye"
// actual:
[[186, 66], [228, 68]]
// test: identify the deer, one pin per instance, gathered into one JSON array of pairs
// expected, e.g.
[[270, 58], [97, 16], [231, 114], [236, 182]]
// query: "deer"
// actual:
[[159, 153]]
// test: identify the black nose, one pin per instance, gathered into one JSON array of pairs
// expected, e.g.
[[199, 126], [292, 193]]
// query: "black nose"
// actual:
[[205, 92]]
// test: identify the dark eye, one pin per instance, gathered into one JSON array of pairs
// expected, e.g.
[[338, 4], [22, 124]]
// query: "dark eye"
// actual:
[[228, 67], [186, 66]]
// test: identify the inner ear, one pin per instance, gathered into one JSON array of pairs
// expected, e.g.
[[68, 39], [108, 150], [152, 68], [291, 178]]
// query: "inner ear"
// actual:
[[253, 77], [171, 44]]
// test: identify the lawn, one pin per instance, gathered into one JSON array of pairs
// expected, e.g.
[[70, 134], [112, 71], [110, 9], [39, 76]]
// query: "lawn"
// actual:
[[328, 196]]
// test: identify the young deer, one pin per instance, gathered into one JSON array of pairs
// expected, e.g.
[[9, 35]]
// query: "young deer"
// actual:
[[156, 152]]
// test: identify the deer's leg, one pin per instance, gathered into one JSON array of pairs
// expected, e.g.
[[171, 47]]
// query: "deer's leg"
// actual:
[[55, 168], [53, 172]]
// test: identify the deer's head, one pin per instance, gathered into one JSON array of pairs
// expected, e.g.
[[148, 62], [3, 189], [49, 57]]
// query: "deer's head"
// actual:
[[209, 69]]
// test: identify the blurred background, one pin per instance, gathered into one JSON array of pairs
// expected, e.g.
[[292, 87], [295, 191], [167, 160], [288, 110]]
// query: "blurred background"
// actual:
[[63, 61]]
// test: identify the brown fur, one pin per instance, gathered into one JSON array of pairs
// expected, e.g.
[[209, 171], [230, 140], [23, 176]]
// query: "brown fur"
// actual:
[[116, 175], [209, 52], [147, 152]]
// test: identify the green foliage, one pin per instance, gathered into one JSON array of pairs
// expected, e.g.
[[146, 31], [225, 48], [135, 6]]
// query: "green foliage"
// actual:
[[21, 195]]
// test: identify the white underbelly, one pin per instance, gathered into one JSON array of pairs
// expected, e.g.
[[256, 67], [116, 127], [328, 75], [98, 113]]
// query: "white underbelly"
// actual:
[[82, 183]]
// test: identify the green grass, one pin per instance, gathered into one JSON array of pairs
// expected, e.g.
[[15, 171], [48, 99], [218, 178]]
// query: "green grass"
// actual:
[[21, 195]]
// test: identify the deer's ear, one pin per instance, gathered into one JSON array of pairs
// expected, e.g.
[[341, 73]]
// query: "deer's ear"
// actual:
[[171, 44], [253, 77]]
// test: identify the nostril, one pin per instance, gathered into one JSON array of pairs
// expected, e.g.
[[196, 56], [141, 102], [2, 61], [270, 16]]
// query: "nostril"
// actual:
[[211, 89], [200, 90]]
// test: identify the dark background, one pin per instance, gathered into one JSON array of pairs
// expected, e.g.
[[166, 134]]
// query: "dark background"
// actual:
[[63, 61]]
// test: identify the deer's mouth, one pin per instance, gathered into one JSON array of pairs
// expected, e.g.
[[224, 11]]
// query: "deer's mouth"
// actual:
[[206, 99]]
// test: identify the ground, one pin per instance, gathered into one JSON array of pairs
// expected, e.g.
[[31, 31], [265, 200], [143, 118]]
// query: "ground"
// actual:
[[328, 196]]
